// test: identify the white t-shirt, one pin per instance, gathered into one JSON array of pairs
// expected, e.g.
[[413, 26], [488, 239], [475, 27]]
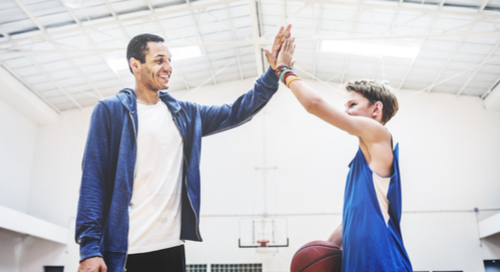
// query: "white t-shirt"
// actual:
[[155, 208]]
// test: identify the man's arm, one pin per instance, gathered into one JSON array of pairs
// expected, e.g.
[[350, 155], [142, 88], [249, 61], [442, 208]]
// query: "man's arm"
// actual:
[[89, 220], [220, 118]]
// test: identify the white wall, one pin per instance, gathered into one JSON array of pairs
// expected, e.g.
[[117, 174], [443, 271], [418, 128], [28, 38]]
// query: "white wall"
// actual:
[[449, 162], [17, 145]]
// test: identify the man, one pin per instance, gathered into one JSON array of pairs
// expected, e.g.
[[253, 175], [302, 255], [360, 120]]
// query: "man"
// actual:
[[140, 191], [370, 234]]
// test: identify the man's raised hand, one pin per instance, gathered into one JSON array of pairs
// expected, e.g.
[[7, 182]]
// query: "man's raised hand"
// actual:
[[272, 56]]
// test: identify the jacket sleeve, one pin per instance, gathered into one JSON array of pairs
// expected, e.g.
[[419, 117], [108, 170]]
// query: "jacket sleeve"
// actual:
[[220, 118], [90, 215]]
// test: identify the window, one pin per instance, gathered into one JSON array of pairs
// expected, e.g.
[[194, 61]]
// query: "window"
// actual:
[[196, 268], [236, 267]]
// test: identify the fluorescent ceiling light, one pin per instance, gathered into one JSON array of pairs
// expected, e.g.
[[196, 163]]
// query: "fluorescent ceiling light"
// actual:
[[188, 52], [118, 64], [369, 49]]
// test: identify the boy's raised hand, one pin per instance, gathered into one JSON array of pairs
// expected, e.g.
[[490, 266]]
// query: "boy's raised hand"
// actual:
[[272, 56], [285, 55]]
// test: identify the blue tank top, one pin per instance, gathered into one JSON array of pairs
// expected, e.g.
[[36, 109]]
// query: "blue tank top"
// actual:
[[370, 242]]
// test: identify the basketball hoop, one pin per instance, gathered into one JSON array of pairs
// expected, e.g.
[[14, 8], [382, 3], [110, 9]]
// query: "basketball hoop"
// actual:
[[263, 243]]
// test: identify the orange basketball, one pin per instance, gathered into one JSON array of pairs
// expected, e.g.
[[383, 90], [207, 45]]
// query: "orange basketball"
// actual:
[[317, 256]]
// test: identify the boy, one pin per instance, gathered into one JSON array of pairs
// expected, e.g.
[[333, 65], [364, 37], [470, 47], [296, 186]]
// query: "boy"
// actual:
[[370, 234]]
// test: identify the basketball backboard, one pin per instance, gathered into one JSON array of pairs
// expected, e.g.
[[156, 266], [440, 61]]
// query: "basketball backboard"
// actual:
[[263, 232]]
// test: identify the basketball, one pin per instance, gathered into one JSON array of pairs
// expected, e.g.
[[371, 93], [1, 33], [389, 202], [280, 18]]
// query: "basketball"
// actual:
[[317, 256]]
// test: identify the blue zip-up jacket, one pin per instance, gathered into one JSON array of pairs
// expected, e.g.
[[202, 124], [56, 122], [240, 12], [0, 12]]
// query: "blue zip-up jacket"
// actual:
[[102, 221]]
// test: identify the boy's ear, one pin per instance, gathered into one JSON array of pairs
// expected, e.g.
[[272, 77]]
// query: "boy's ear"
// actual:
[[377, 110]]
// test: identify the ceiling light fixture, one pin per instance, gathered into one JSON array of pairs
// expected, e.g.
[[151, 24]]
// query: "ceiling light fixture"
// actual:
[[187, 52], [369, 49], [118, 64], [72, 3]]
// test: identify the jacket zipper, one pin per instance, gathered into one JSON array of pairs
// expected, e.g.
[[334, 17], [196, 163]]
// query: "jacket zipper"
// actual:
[[185, 179], [135, 137]]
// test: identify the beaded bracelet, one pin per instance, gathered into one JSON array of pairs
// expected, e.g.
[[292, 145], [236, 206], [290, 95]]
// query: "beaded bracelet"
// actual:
[[286, 75], [281, 68], [283, 73], [292, 79]]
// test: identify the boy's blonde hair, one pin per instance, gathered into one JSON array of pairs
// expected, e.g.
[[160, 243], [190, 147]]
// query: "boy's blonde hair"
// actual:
[[375, 91]]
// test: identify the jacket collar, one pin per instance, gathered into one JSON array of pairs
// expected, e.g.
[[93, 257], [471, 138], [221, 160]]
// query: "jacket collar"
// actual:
[[127, 97], [129, 101]]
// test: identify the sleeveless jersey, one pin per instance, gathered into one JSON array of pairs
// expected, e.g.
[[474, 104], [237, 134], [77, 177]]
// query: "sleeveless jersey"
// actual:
[[371, 234]]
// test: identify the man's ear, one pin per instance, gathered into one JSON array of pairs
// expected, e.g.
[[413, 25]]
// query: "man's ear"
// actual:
[[135, 64], [377, 110]]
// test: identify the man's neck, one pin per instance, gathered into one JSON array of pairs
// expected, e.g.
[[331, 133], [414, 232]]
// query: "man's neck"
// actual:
[[146, 95]]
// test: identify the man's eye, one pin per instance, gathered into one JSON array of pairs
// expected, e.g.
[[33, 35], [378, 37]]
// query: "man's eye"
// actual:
[[169, 60], [160, 61]]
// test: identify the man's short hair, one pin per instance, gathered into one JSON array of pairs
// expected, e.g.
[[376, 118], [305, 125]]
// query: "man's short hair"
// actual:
[[138, 47], [375, 91]]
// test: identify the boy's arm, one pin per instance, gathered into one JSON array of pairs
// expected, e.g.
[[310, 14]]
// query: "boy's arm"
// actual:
[[336, 237], [366, 128]]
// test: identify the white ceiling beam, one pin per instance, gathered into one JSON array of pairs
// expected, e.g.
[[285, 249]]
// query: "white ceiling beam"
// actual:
[[442, 81], [79, 70], [220, 20], [479, 67], [92, 24], [5, 34], [335, 27], [207, 80], [258, 43], [483, 5], [473, 22], [339, 91], [402, 8], [452, 54], [150, 6], [489, 226], [70, 11], [28, 13], [400, 25], [287, 17], [59, 87], [28, 225], [256, 36], [110, 8], [233, 34], [441, 4], [24, 99], [492, 96], [175, 62], [87, 33], [429, 29], [490, 89], [318, 44], [346, 62], [204, 52]]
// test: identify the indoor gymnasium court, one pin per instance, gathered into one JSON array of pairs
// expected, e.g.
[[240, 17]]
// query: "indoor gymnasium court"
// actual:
[[267, 189]]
